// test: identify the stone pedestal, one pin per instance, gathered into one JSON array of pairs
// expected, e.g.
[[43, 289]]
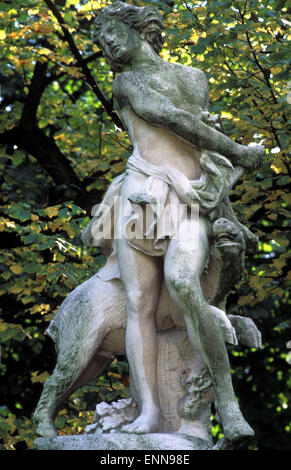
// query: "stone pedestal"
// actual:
[[122, 441]]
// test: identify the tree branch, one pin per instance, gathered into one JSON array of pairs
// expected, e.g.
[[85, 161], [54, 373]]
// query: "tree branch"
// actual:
[[45, 150], [37, 86], [29, 138], [83, 65], [265, 72], [47, 153], [56, 76]]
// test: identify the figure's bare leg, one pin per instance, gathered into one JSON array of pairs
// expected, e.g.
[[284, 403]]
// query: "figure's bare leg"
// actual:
[[141, 275], [183, 268]]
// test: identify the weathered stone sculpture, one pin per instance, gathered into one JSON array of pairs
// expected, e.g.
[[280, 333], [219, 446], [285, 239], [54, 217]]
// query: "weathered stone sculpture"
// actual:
[[161, 295]]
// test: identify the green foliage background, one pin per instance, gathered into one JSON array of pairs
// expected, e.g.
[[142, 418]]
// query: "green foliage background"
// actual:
[[60, 146]]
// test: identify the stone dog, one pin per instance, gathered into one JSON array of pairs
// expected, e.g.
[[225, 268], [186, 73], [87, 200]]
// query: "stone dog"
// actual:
[[89, 328]]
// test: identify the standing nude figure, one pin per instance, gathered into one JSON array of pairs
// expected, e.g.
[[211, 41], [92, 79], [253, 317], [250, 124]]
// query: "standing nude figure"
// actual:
[[164, 107]]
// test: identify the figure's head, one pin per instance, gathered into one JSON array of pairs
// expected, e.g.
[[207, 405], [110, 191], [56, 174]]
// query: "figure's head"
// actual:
[[120, 28]]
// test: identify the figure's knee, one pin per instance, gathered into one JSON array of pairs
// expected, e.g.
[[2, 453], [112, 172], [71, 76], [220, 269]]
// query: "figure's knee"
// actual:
[[139, 302], [182, 284]]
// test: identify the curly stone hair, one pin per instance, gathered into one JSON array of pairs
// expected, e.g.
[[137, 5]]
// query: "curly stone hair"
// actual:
[[146, 20]]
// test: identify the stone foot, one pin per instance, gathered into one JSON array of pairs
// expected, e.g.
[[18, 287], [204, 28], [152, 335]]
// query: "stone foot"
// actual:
[[144, 424], [235, 428], [225, 444], [45, 428], [235, 437], [238, 431]]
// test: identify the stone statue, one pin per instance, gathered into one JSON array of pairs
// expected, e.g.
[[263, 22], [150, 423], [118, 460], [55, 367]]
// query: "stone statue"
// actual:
[[161, 295]]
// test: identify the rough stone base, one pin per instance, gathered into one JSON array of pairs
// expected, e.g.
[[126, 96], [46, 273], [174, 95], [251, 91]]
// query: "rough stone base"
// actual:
[[121, 441]]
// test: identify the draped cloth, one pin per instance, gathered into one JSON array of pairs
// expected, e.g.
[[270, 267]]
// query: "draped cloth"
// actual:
[[155, 204]]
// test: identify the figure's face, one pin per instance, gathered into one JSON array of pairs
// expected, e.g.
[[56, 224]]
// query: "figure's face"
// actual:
[[119, 42]]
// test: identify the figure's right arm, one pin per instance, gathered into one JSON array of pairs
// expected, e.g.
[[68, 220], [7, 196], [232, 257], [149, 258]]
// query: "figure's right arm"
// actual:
[[155, 108]]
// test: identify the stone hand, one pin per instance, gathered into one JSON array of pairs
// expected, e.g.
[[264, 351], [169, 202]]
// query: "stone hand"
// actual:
[[251, 158]]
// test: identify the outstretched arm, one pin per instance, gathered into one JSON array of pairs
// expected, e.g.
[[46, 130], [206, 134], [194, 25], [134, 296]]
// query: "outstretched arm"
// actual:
[[155, 108]]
